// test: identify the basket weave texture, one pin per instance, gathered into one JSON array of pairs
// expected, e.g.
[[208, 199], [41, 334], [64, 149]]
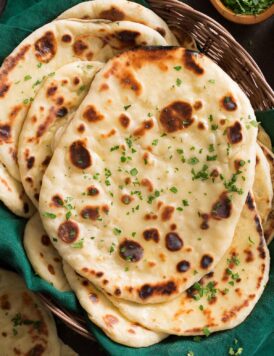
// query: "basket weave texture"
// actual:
[[218, 44]]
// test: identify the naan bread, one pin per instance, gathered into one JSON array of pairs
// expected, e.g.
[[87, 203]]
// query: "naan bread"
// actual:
[[57, 100], [262, 187], [26, 327], [264, 138], [105, 315], [152, 188], [224, 297], [269, 224], [120, 10], [42, 53], [67, 351], [12, 194], [43, 257]]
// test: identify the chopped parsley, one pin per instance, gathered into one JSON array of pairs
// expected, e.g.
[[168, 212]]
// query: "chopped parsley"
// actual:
[[214, 127], [114, 148], [81, 89], [134, 172], [39, 65], [211, 158], [185, 202], [234, 260], [126, 107], [231, 186], [206, 331], [177, 68], [208, 291], [193, 160], [155, 142], [211, 81], [78, 244], [68, 215], [27, 77], [253, 7], [112, 248], [202, 174], [173, 190], [250, 240], [49, 215], [117, 231], [178, 82]]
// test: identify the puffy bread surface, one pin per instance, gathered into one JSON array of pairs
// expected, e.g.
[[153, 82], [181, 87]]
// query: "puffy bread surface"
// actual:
[[57, 99], [158, 178], [120, 10], [12, 194], [224, 297], [42, 53], [43, 257], [26, 327], [105, 315], [262, 187]]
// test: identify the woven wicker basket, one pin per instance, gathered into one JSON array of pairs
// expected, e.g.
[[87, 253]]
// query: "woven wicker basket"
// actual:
[[217, 43]]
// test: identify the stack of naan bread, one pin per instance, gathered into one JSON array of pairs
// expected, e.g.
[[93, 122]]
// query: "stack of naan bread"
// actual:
[[153, 192]]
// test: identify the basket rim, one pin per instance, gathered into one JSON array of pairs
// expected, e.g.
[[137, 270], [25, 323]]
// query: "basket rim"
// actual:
[[74, 321]]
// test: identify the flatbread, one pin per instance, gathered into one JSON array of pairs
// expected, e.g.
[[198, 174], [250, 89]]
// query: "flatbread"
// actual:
[[57, 100], [46, 50], [120, 10], [262, 187], [269, 224], [67, 350], [26, 327], [43, 257], [105, 315], [12, 194], [150, 170], [264, 138], [224, 297]]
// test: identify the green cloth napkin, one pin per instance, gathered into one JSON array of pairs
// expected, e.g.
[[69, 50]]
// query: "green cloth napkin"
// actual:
[[255, 335]]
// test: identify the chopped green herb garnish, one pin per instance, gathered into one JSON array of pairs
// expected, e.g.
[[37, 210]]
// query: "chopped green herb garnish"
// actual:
[[248, 7], [114, 148], [177, 68], [133, 172], [78, 244], [173, 190], [81, 89], [112, 248], [51, 74], [234, 260], [126, 107], [68, 215], [27, 77], [202, 174], [250, 240], [178, 82], [155, 142], [211, 158], [117, 231], [193, 160], [214, 127], [206, 331], [39, 65], [211, 81], [185, 202], [49, 215]]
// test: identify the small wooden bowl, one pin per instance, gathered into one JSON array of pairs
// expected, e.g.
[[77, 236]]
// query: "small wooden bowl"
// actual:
[[242, 19]]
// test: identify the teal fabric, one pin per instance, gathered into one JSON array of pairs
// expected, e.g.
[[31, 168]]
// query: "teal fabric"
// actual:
[[255, 335]]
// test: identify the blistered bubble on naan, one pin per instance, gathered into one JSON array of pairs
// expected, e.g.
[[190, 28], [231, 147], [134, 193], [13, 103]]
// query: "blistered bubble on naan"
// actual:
[[153, 168]]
